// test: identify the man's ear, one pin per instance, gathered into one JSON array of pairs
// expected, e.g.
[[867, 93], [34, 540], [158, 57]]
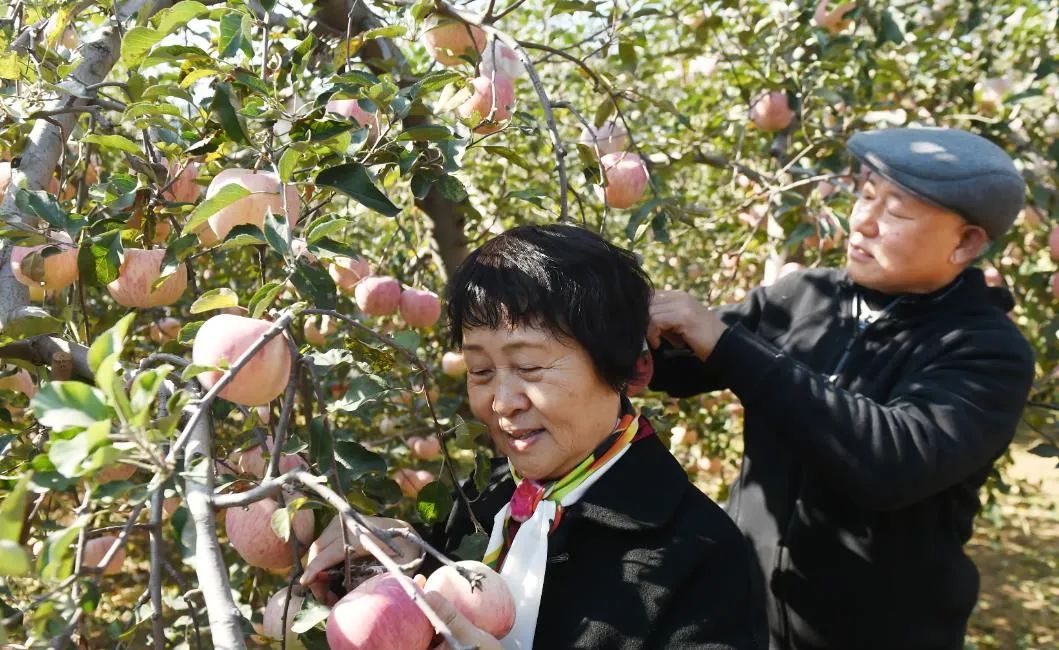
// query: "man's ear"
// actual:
[[973, 240]]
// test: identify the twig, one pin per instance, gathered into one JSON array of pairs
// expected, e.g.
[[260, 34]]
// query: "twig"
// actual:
[[155, 584]]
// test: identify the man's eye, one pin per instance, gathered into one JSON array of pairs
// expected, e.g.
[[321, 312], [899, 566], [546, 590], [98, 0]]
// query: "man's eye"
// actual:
[[485, 372], [529, 369]]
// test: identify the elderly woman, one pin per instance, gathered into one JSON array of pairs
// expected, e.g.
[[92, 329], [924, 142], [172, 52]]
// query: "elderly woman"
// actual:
[[594, 526]]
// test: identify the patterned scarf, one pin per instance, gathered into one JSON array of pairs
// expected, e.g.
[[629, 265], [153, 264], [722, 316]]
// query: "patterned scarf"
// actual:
[[518, 546]]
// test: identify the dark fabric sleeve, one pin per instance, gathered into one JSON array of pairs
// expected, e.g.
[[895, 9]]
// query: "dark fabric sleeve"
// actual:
[[719, 606], [951, 416], [680, 373]]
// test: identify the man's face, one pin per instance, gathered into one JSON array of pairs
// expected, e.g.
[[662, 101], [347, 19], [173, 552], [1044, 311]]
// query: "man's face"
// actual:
[[901, 244]]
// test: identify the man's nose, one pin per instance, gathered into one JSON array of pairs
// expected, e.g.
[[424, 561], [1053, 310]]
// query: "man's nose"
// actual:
[[865, 218]]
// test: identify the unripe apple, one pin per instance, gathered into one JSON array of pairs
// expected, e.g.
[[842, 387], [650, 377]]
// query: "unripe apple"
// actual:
[[453, 364], [499, 60], [251, 209], [626, 177], [609, 137], [378, 295], [351, 108], [252, 462], [427, 448], [771, 111], [182, 188], [347, 271], [19, 382], [681, 436], [272, 618], [489, 607], [378, 615], [137, 274], [833, 21], [165, 330], [493, 100], [226, 337], [420, 308], [115, 472], [98, 547], [411, 481], [60, 269], [447, 40], [250, 534]]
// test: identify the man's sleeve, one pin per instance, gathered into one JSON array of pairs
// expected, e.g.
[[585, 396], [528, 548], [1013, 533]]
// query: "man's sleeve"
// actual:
[[680, 373], [956, 412]]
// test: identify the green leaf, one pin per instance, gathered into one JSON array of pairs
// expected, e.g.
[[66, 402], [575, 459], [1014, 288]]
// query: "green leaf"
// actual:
[[357, 460], [45, 206], [287, 163], [472, 547], [33, 321], [14, 560], [507, 153], [319, 230], [55, 561], [438, 79], [281, 523], [891, 29], [314, 284], [308, 617], [451, 188], [63, 404], [178, 15], [277, 232], [13, 509], [98, 264], [69, 456], [226, 111], [137, 43], [227, 195], [222, 298], [434, 503], [110, 342], [263, 298], [230, 39], [188, 332], [426, 133], [353, 180], [114, 141]]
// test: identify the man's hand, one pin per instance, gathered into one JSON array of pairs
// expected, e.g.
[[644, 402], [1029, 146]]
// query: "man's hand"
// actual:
[[463, 630], [684, 321], [328, 551]]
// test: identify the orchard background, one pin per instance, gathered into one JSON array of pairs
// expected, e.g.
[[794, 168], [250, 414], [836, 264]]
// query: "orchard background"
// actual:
[[118, 115]]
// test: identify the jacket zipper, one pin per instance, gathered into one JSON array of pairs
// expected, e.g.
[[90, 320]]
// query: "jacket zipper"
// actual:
[[858, 334]]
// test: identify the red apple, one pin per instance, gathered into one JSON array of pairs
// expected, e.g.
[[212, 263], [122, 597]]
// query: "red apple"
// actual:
[[491, 103], [137, 274], [347, 271], [272, 618], [226, 337], [19, 382], [378, 295], [251, 209], [411, 481], [182, 187], [833, 21], [252, 462], [490, 607], [351, 108], [499, 60], [97, 547], [115, 472], [378, 615], [1053, 243], [427, 448], [420, 308], [250, 534], [609, 137], [164, 330], [771, 111], [446, 40], [626, 177], [60, 269]]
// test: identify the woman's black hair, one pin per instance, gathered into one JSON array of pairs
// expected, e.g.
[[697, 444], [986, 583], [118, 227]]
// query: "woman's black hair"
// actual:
[[563, 278]]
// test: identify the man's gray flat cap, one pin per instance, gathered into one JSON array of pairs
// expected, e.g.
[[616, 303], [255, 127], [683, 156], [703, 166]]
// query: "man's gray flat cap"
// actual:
[[950, 168]]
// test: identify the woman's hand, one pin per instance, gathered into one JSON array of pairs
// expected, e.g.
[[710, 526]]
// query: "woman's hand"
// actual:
[[684, 321], [462, 629], [328, 551]]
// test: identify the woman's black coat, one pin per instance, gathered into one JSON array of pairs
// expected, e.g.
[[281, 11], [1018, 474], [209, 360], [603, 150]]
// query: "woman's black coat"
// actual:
[[643, 560]]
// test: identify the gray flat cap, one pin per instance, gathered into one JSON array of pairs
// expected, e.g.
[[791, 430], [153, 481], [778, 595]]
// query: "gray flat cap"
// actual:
[[950, 168]]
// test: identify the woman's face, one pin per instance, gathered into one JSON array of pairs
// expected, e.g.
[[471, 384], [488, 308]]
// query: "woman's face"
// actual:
[[540, 396]]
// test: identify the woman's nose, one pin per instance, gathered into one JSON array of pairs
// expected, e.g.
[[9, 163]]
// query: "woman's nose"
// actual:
[[509, 397]]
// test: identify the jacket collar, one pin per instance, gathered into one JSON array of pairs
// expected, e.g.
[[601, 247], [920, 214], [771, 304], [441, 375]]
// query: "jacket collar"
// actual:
[[639, 492], [967, 291]]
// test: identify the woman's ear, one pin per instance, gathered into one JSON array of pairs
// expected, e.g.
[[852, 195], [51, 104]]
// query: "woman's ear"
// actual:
[[973, 240]]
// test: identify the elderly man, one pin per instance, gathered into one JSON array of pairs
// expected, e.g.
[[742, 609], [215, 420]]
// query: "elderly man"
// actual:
[[877, 399]]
